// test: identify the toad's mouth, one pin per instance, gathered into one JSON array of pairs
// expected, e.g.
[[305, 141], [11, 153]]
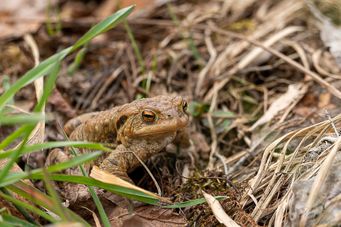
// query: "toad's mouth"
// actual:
[[167, 126]]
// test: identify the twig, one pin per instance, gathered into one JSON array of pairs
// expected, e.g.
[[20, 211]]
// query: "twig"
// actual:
[[149, 173]]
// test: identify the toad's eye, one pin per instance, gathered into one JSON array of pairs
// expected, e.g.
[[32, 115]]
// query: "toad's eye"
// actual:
[[148, 116], [184, 106]]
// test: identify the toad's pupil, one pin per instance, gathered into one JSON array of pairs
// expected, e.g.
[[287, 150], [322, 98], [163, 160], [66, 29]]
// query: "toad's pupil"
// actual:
[[148, 116]]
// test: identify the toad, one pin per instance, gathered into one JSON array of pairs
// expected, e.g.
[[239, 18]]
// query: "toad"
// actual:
[[141, 128]]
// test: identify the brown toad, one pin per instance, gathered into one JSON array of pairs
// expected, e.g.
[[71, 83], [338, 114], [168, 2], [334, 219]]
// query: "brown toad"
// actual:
[[141, 128]]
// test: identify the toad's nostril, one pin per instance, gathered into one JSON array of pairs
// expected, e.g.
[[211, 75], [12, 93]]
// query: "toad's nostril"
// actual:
[[169, 115]]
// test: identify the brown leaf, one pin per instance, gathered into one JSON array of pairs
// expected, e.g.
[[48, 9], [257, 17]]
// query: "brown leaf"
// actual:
[[304, 111], [146, 216], [106, 177], [218, 211], [324, 99]]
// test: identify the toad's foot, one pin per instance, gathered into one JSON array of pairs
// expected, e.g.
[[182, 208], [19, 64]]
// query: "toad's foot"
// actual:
[[118, 163], [71, 192]]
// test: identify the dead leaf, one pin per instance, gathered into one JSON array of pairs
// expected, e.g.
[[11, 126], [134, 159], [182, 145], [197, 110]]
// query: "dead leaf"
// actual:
[[294, 93], [146, 216], [106, 177], [324, 100], [218, 211], [94, 216], [304, 111]]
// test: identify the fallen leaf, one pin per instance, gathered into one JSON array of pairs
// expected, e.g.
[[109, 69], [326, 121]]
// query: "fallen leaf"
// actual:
[[106, 177], [144, 216], [94, 216], [324, 100], [304, 111], [218, 211]]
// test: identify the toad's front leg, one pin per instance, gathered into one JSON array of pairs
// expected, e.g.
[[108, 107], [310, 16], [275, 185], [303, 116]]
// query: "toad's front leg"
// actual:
[[74, 193], [119, 162]]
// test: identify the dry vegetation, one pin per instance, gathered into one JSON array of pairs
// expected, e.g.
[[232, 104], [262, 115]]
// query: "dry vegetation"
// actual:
[[258, 78]]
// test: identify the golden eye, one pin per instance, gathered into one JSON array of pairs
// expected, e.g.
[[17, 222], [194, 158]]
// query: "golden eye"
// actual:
[[184, 105], [148, 116]]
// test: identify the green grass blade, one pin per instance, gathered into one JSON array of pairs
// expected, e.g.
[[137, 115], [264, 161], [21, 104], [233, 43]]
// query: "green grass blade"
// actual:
[[48, 145], [37, 197], [28, 207], [6, 85], [13, 136], [16, 119], [77, 62], [24, 212], [119, 190], [21, 118], [15, 177], [73, 162], [40, 70], [14, 156], [104, 218], [60, 211], [103, 26], [135, 46], [116, 189], [6, 82], [190, 203], [14, 221]]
